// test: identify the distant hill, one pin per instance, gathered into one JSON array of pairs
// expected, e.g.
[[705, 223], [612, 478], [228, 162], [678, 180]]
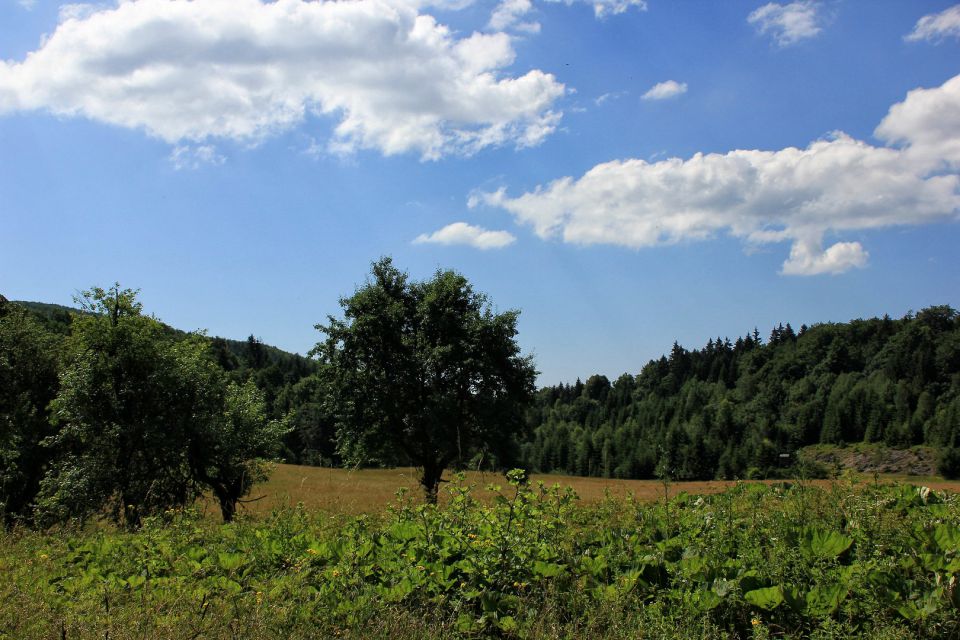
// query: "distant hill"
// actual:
[[747, 407], [56, 318]]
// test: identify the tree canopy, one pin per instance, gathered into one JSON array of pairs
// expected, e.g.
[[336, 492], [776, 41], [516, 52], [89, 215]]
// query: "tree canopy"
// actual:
[[424, 373], [145, 419], [28, 382]]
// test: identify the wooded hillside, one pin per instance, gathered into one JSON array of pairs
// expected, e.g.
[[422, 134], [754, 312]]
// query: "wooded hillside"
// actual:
[[744, 407]]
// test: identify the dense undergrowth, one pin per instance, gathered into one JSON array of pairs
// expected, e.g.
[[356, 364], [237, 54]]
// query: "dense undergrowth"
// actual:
[[862, 560]]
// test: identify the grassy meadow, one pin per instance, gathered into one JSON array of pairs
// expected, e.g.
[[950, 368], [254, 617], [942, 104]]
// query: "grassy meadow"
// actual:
[[322, 553], [370, 491]]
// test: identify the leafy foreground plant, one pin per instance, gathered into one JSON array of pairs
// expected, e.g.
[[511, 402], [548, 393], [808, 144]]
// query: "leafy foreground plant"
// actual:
[[756, 561]]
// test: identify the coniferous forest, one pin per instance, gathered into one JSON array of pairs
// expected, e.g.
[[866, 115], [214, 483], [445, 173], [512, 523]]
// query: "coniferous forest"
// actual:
[[735, 409]]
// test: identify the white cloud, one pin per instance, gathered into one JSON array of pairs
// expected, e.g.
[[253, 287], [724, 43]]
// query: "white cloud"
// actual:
[[937, 26], [507, 16], [927, 125], [468, 234], [809, 258], [392, 79], [27, 4], [194, 157], [664, 90], [603, 8], [832, 186], [787, 23]]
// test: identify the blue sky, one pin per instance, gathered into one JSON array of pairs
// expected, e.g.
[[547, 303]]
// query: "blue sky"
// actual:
[[626, 173]]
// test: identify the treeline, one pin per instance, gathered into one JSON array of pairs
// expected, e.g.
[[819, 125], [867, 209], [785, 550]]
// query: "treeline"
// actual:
[[732, 409], [743, 408]]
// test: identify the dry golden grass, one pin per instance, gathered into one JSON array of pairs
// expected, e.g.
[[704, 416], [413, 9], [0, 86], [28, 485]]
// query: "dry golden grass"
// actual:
[[346, 491]]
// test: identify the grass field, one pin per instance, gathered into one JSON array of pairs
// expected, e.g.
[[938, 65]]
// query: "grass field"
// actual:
[[371, 490]]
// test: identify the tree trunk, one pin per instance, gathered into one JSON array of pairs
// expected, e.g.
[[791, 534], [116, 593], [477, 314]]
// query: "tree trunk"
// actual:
[[430, 480], [227, 499], [228, 508]]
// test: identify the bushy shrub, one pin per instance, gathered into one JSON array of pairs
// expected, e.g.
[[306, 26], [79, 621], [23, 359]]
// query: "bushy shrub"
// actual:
[[949, 463]]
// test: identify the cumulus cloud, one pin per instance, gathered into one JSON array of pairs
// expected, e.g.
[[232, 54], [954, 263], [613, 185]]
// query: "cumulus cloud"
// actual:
[[664, 90], [468, 234], [937, 26], [927, 126], [603, 8], [798, 195], [787, 24], [392, 79]]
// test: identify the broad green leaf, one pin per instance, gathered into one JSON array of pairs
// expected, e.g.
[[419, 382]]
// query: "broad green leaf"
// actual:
[[768, 598], [817, 543], [547, 569], [947, 537], [230, 561], [824, 601], [705, 600]]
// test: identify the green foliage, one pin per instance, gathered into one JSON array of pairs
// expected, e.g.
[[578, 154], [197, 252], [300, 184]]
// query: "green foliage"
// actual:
[[230, 452], [949, 463], [424, 372], [28, 382], [745, 408], [870, 562], [146, 420]]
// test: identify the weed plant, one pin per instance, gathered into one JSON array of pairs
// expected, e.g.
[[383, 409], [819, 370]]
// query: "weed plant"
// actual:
[[758, 561]]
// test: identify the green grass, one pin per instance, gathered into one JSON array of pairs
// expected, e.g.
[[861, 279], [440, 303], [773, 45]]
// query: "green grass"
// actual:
[[755, 561]]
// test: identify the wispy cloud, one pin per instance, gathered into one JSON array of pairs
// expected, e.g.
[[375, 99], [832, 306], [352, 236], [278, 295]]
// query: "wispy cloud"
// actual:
[[604, 8], [937, 26], [664, 90], [787, 23], [467, 234], [194, 157], [389, 78], [607, 97], [27, 4], [803, 196]]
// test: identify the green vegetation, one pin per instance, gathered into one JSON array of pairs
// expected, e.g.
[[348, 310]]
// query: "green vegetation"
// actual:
[[741, 409], [112, 425], [423, 373], [139, 420], [872, 561], [744, 409], [28, 382]]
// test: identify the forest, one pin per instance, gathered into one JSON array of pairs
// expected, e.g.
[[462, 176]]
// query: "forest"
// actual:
[[741, 408]]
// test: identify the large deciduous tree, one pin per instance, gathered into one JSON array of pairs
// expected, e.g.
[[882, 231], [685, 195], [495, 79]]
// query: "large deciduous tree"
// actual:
[[424, 372], [146, 419]]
